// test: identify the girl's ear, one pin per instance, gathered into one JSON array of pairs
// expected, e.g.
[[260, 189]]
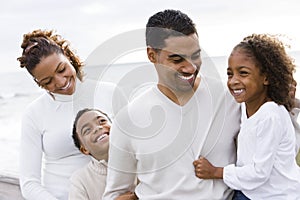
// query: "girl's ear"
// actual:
[[266, 81], [151, 53], [84, 150]]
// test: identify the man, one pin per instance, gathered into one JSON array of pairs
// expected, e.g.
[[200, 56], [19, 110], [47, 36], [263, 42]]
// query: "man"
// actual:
[[160, 133], [91, 136]]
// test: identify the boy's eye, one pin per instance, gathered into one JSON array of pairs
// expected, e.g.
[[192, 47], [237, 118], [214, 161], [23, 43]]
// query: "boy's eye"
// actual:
[[86, 131]]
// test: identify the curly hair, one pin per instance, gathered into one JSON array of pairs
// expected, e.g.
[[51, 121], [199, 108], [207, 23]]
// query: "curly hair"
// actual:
[[79, 114], [269, 54], [42, 43], [167, 23]]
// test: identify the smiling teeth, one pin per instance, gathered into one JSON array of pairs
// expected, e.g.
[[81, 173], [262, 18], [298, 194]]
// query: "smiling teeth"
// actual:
[[101, 137], [68, 84], [186, 77], [238, 91]]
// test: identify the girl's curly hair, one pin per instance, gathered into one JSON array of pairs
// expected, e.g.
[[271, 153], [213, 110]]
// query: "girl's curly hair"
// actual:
[[269, 54], [42, 43]]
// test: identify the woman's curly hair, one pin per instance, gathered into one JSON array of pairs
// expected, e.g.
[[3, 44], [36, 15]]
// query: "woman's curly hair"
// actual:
[[42, 43], [270, 56]]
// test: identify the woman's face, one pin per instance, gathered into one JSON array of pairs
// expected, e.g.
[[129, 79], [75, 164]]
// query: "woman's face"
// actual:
[[56, 74]]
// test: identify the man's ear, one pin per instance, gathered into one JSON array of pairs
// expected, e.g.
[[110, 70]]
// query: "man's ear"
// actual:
[[151, 53], [84, 150]]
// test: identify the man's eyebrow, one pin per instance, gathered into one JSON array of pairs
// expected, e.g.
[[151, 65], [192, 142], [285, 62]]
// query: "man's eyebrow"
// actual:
[[182, 55], [176, 55]]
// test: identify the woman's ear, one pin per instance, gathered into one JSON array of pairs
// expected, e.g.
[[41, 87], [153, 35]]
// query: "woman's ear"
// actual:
[[151, 53], [84, 150]]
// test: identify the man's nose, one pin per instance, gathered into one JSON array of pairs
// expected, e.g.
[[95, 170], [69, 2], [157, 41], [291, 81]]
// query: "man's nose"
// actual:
[[189, 66]]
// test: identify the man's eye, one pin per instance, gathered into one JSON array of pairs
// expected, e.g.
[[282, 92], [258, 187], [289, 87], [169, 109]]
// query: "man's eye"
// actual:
[[177, 60], [102, 121], [196, 56]]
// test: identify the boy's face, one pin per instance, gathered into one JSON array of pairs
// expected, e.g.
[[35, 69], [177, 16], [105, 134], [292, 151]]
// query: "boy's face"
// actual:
[[93, 131]]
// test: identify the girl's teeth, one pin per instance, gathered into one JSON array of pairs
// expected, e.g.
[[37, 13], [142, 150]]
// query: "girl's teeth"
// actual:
[[238, 91]]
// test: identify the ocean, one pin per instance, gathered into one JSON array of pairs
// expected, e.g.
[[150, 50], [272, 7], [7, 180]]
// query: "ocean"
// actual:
[[17, 90]]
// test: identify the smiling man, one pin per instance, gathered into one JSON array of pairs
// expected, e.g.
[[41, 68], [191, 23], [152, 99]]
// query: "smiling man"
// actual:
[[164, 129]]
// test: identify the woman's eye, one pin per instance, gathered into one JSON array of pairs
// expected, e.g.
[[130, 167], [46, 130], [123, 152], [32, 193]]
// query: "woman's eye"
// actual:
[[46, 82], [61, 70]]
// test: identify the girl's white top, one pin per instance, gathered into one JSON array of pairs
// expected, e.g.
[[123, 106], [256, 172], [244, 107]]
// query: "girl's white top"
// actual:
[[266, 167]]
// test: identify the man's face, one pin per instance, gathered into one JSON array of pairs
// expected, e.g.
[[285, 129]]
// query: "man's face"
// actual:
[[178, 63], [93, 131]]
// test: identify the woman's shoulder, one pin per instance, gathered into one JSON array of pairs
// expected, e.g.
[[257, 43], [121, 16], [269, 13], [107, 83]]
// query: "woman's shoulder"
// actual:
[[39, 103]]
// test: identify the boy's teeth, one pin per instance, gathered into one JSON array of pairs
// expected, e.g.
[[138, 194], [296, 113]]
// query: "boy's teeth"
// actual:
[[101, 137]]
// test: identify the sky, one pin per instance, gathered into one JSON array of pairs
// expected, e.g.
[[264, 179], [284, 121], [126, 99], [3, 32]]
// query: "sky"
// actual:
[[89, 23]]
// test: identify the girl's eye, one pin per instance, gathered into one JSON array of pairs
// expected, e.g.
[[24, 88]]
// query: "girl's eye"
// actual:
[[229, 74], [244, 73]]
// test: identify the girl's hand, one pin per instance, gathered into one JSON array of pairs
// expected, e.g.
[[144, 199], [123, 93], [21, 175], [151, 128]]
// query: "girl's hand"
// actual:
[[205, 170]]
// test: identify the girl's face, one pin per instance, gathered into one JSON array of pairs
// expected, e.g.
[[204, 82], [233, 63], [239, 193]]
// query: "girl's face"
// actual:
[[245, 81], [56, 74]]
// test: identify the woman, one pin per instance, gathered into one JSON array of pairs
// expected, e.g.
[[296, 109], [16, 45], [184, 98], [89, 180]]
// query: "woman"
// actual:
[[48, 156]]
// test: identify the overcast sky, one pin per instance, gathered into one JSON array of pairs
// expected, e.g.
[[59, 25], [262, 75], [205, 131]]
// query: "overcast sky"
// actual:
[[88, 23]]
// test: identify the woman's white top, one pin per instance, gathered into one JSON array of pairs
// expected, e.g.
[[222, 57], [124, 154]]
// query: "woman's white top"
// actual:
[[48, 155]]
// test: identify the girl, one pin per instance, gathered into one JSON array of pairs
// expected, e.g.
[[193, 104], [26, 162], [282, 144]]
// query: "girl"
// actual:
[[259, 76]]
